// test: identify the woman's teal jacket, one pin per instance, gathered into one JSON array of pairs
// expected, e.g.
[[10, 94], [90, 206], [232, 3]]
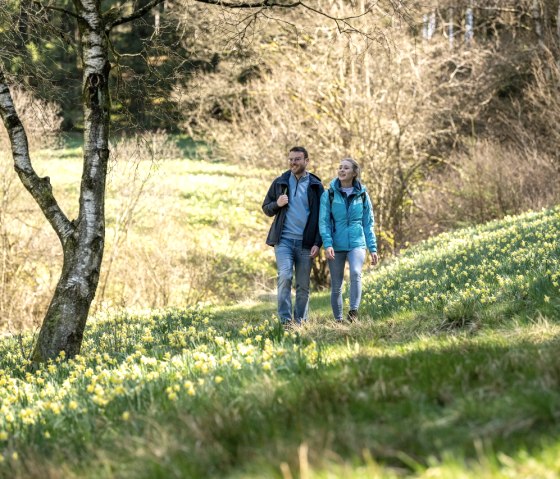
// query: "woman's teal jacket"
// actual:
[[346, 223]]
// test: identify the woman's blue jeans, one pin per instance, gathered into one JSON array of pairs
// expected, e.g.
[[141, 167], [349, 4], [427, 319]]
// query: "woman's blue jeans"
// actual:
[[291, 254], [356, 258]]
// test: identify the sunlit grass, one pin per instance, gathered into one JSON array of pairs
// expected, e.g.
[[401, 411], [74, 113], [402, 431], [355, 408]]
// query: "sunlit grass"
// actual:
[[179, 231], [477, 275], [408, 391]]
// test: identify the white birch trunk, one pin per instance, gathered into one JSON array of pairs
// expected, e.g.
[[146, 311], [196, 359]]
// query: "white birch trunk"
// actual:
[[537, 20], [451, 27], [558, 23], [367, 74], [66, 317], [82, 239]]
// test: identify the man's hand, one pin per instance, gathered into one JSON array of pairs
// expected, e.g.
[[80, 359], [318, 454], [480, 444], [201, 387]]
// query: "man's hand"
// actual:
[[282, 200], [374, 259], [330, 252], [314, 251]]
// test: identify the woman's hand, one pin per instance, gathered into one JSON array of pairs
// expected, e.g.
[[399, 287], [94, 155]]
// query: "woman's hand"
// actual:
[[374, 259], [330, 252]]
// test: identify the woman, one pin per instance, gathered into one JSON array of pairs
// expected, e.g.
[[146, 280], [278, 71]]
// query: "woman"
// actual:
[[346, 227]]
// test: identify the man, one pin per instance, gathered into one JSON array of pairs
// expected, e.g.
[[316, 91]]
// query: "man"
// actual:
[[293, 200]]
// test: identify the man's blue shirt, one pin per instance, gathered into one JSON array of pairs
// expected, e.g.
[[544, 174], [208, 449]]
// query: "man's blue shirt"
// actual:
[[298, 208]]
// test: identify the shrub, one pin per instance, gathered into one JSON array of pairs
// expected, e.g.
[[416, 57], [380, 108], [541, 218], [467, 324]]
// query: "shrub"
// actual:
[[488, 182], [42, 120]]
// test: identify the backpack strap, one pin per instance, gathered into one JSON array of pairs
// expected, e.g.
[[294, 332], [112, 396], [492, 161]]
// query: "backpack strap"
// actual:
[[331, 198]]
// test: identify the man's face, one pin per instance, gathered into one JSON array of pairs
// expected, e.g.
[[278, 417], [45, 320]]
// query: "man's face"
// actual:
[[298, 163]]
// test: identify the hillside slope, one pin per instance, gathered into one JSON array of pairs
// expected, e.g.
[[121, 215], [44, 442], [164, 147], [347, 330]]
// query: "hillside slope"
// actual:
[[477, 276], [453, 373]]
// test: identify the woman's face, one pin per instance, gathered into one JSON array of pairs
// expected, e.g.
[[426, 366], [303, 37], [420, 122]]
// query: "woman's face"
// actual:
[[346, 171]]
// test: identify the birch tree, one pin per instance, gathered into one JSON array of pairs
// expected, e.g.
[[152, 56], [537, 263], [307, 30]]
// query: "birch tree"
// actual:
[[83, 238]]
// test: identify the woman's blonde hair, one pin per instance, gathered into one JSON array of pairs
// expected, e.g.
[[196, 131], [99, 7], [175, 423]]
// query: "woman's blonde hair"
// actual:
[[355, 166]]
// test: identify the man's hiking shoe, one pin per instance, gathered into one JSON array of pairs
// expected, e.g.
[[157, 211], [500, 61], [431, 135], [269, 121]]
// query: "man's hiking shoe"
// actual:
[[352, 315], [288, 325]]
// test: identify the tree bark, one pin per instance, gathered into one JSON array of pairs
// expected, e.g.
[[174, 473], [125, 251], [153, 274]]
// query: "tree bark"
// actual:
[[65, 321], [83, 239]]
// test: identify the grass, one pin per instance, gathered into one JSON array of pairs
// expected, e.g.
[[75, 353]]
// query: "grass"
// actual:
[[179, 231], [474, 277], [414, 389]]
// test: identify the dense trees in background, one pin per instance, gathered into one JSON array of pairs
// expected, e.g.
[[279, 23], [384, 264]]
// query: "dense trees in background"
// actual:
[[161, 52], [29, 31], [156, 59], [149, 57], [448, 132], [451, 107], [504, 157]]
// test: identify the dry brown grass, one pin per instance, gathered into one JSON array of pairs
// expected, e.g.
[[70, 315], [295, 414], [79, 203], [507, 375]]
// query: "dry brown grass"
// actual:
[[178, 232]]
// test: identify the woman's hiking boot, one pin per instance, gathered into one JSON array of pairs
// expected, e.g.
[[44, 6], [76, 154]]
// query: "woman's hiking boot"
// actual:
[[352, 315]]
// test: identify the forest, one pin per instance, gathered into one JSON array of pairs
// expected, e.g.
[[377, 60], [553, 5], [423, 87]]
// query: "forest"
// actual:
[[450, 107]]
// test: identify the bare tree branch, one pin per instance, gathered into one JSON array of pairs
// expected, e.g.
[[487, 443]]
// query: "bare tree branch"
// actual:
[[40, 188], [336, 19], [259, 4], [133, 16], [496, 9], [56, 9]]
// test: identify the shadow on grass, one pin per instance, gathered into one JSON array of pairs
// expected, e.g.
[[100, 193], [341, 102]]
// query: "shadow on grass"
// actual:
[[404, 405], [191, 148], [405, 410]]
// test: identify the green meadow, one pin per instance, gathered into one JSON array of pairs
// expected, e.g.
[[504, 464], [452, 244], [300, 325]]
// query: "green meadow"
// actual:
[[179, 231], [452, 371]]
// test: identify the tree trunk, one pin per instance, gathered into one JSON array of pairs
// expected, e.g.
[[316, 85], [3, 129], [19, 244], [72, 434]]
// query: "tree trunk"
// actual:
[[451, 27], [64, 323], [83, 239], [558, 23]]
